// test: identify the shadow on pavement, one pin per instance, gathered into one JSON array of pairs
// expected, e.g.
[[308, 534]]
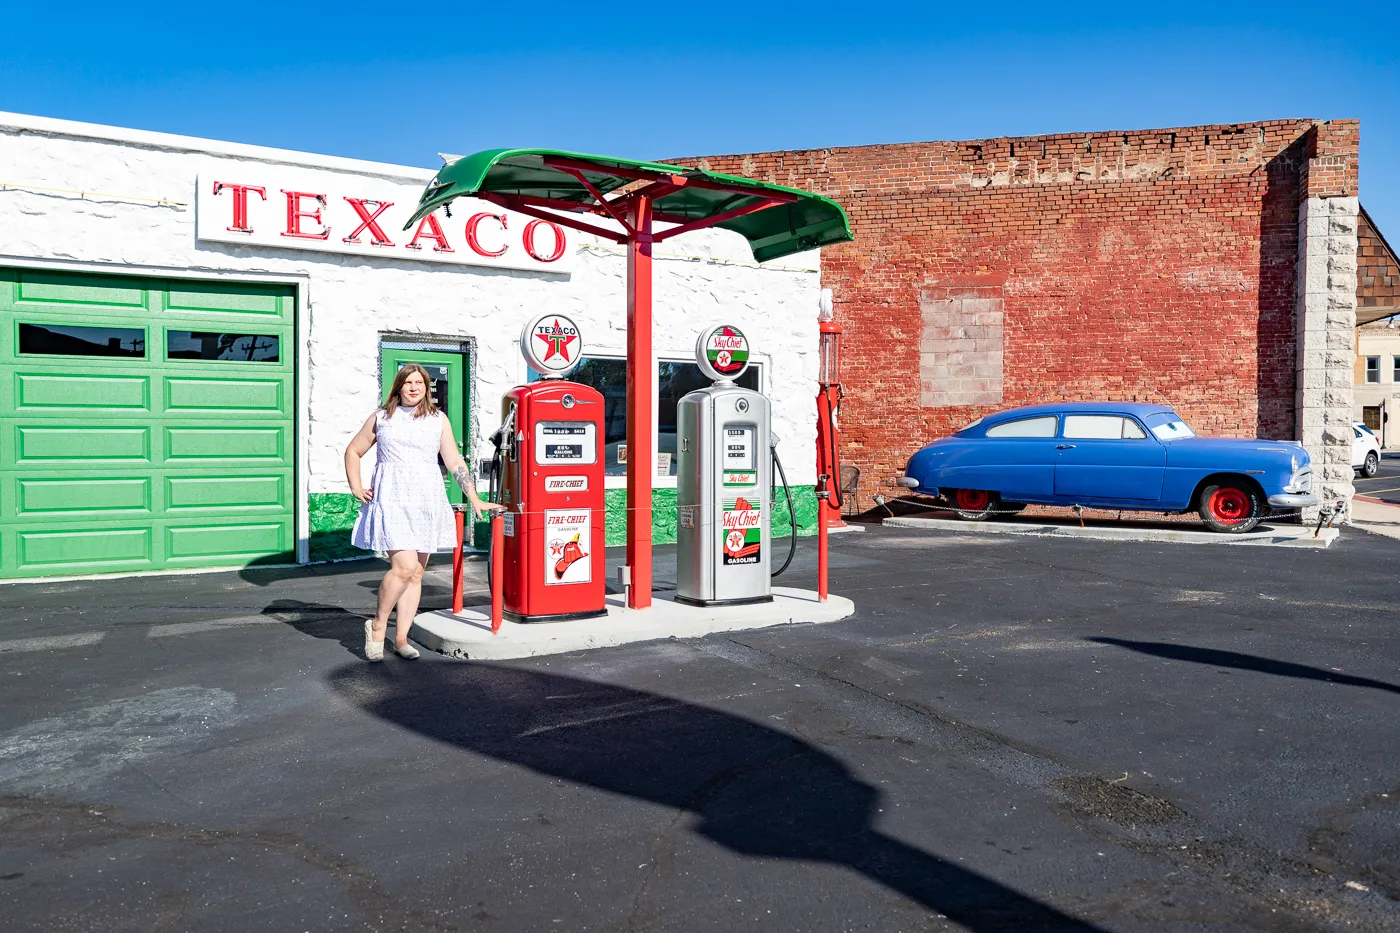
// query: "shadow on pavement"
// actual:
[[1245, 662], [333, 623], [757, 791]]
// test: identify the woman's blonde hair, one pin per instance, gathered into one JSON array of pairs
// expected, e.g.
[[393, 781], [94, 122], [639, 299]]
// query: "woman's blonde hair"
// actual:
[[391, 401]]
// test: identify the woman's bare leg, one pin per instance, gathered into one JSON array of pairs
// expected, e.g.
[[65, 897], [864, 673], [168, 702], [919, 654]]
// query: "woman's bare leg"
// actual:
[[403, 570], [408, 602]]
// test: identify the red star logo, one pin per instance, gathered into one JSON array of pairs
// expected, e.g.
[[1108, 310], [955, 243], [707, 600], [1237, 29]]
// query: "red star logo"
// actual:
[[557, 341]]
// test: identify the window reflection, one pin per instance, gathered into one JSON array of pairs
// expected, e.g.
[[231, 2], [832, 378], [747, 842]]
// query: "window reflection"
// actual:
[[64, 340], [212, 345]]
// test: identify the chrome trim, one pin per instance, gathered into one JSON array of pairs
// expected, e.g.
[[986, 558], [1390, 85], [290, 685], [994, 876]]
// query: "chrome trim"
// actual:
[[908, 482], [1292, 501]]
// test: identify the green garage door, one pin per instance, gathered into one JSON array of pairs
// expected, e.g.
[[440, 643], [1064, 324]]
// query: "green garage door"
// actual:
[[147, 424]]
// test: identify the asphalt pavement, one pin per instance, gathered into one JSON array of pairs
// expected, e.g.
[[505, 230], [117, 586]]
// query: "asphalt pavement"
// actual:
[[1009, 735], [1385, 485]]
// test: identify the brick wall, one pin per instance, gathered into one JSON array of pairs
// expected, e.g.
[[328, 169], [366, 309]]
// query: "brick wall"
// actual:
[[1148, 265], [1377, 272]]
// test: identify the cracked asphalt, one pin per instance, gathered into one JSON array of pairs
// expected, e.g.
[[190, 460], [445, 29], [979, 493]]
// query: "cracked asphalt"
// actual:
[[1010, 735]]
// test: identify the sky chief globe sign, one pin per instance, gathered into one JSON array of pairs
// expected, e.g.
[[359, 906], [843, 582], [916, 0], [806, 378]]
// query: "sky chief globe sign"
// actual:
[[722, 352], [552, 345]]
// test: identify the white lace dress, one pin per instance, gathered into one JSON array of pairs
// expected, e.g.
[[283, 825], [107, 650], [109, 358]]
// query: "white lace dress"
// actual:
[[409, 511]]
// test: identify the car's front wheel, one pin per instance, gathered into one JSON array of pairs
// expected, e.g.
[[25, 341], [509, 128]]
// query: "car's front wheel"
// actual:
[[973, 505], [1372, 466], [1230, 508]]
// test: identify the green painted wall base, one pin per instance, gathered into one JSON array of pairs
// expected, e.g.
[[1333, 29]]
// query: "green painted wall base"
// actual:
[[333, 516]]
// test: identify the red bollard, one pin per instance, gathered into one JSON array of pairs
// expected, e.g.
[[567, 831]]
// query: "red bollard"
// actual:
[[457, 560], [822, 508], [498, 570]]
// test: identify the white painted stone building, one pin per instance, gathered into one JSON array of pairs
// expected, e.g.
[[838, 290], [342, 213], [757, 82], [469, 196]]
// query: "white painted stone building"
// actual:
[[87, 207]]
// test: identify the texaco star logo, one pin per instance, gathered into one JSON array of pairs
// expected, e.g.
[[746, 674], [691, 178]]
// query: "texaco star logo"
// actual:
[[556, 340], [734, 542]]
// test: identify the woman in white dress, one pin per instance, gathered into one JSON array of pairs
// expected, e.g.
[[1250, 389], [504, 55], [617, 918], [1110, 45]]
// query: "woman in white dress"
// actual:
[[404, 511]]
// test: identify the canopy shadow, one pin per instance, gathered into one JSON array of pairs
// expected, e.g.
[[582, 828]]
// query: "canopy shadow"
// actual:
[[756, 790]]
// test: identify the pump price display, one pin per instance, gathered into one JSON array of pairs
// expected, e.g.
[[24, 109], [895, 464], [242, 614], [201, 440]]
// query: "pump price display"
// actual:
[[569, 442], [739, 448]]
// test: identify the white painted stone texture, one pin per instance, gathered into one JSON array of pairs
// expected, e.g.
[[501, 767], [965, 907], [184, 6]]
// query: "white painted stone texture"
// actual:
[[1326, 328], [102, 213]]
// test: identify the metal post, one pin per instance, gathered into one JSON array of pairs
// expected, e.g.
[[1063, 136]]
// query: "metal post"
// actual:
[[641, 379], [457, 561], [822, 515], [498, 571]]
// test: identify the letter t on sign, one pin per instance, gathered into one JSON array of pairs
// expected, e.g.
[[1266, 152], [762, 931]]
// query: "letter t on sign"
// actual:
[[240, 204], [295, 215]]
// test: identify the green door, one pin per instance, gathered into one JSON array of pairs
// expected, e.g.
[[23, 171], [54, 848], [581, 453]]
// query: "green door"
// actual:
[[145, 424], [449, 388]]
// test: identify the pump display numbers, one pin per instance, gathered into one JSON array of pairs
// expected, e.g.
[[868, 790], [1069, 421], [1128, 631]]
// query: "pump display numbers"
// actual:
[[739, 467], [560, 442]]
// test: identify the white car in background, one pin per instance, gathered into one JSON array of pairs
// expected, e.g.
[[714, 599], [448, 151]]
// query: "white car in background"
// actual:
[[1365, 450]]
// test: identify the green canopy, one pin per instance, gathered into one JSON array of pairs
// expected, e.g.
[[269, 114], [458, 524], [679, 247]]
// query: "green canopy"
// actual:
[[776, 220]]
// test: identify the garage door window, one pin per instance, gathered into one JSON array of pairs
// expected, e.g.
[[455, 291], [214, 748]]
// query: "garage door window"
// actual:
[[63, 340], [213, 345], [1103, 427], [1043, 426]]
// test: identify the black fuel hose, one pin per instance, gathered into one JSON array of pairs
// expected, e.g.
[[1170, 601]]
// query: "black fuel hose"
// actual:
[[792, 515]]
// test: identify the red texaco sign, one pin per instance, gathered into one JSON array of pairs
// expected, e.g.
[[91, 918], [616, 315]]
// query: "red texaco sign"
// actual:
[[332, 213]]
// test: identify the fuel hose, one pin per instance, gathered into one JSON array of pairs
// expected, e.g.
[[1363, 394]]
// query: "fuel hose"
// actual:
[[792, 515]]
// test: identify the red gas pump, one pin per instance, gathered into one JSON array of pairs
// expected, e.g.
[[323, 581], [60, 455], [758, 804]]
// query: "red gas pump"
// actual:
[[552, 484]]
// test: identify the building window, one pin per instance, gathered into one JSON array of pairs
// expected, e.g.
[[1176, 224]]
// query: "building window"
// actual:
[[673, 380], [1373, 369], [1395, 369], [61, 340], [212, 345]]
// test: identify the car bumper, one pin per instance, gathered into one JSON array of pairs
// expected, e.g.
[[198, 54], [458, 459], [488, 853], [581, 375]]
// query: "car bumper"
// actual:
[[908, 482], [1293, 500]]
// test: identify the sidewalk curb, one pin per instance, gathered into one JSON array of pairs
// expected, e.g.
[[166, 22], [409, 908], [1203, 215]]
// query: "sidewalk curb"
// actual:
[[1294, 536]]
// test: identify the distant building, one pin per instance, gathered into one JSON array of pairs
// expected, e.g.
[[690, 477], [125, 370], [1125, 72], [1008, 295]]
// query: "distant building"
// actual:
[[1377, 392]]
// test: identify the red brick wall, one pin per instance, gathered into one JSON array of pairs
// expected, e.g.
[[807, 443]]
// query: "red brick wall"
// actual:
[[1377, 272], [1146, 265]]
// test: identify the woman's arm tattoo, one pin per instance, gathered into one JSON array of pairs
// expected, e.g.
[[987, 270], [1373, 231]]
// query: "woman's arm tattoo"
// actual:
[[464, 479]]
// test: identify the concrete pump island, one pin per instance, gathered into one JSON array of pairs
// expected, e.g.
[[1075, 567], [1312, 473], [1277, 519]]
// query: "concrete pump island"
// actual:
[[546, 547]]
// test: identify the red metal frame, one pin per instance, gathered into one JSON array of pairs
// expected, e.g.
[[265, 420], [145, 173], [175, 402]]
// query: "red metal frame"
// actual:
[[635, 212]]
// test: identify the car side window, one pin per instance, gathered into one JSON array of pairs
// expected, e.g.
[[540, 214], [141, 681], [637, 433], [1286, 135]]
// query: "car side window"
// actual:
[[1102, 427], [1040, 426]]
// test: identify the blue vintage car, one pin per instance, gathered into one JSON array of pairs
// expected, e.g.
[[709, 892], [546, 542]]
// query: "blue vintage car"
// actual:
[[1115, 455]]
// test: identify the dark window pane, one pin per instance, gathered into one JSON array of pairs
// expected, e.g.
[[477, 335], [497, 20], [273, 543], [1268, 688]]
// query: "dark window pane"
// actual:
[[212, 345], [63, 340], [673, 382], [610, 378]]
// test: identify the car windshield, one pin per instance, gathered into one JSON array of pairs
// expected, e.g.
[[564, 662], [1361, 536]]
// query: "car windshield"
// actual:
[[1168, 426]]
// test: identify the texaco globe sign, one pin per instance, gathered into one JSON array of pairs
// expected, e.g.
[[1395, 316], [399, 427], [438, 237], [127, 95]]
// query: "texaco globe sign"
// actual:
[[723, 352], [552, 345]]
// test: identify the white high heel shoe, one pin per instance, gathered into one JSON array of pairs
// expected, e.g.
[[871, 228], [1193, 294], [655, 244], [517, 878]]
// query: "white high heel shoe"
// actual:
[[374, 649]]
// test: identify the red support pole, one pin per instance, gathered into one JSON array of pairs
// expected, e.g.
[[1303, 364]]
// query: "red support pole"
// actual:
[[457, 560], [823, 510], [641, 380], [498, 571]]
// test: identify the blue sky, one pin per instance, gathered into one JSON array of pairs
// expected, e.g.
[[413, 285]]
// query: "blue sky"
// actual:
[[401, 83]]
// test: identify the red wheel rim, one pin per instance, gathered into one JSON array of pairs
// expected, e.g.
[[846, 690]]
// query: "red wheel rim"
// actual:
[[1229, 506], [973, 500]]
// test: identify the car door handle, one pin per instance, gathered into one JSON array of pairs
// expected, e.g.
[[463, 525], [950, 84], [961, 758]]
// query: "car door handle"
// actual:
[[1064, 446]]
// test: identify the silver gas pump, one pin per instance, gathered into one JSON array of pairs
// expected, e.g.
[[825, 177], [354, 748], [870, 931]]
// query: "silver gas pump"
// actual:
[[724, 481]]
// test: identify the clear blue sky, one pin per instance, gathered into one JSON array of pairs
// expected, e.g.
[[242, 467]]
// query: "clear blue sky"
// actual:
[[402, 82]]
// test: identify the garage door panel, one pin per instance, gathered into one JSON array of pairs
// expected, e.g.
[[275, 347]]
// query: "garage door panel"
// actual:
[[93, 550], [80, 391], [40, 498], [224, 299], [231, 443], [176, 455], [187, 394], [50, 288], [190, 542], [215, 493], [81, 444]]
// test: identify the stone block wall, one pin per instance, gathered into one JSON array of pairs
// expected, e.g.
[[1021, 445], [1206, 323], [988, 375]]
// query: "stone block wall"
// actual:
[[1149, 265]]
